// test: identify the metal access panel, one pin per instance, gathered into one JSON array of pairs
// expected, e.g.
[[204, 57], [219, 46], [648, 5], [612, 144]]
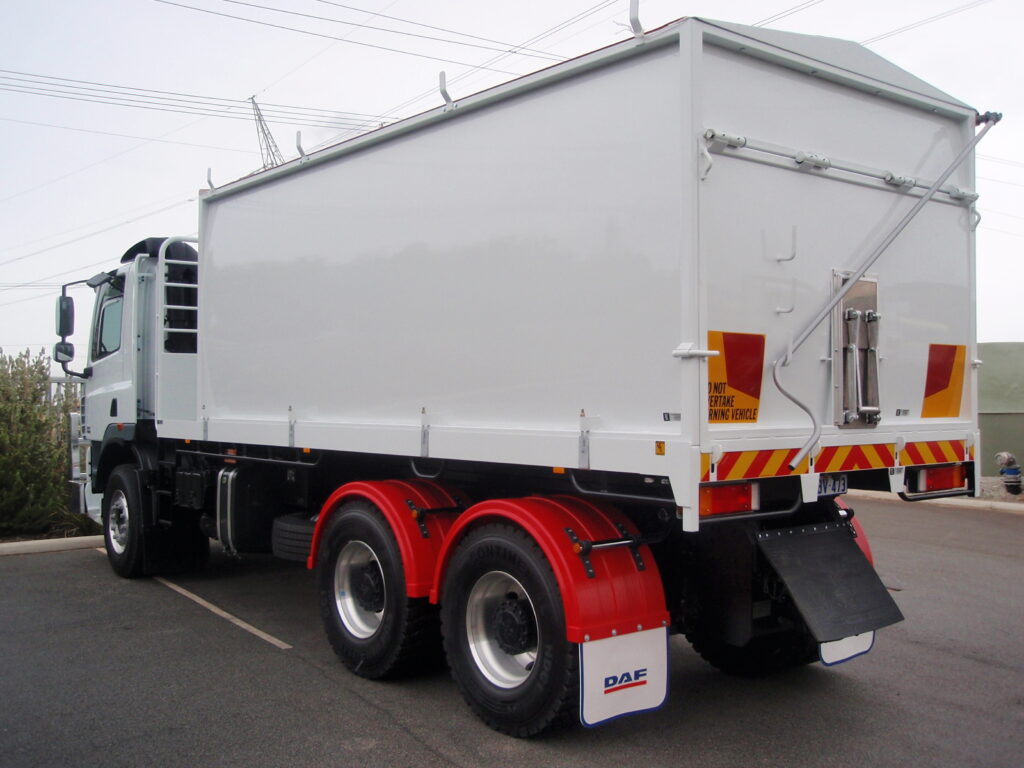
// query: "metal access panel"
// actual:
[[855, 325], [832, 584]]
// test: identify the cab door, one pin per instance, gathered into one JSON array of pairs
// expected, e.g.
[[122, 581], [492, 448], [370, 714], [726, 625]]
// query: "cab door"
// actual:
[[110, 389]]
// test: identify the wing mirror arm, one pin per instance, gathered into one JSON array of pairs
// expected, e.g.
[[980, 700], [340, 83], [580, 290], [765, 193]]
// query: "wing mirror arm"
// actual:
[[64, 350]]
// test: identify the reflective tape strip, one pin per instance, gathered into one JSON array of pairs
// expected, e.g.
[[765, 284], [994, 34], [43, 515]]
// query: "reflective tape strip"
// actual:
[[933, 452], [750, 465], [746, 465], [847, 458]]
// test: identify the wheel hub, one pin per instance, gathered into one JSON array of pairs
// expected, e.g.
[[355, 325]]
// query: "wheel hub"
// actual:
[[368, 588], [513, 624], [360, 590], [117, 523]]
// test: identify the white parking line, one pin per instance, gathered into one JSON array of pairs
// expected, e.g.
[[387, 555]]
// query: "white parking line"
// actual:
[[225, 615]]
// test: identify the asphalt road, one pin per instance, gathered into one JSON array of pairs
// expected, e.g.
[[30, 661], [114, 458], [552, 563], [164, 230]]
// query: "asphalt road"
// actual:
[[97, 670]]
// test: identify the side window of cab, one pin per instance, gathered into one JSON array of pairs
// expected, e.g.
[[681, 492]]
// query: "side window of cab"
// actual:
[[107, 338]]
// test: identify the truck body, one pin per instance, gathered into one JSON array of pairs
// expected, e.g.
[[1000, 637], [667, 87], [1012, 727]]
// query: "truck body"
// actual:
[[565, 365]]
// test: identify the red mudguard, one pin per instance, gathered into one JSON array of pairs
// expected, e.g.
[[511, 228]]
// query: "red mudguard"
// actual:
[[419, 534], [619, 597]]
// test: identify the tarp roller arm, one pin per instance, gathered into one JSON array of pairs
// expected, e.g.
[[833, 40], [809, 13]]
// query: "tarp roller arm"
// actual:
[[989, 119]]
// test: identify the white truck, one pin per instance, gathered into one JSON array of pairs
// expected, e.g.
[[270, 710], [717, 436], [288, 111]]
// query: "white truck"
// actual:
[[548, 373]]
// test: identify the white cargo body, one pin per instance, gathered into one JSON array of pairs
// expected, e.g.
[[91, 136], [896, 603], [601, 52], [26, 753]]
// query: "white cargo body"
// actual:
[[508, 279], [560, 368]]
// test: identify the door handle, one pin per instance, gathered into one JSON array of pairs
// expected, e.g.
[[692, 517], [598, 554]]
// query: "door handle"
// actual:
[[688, 350]]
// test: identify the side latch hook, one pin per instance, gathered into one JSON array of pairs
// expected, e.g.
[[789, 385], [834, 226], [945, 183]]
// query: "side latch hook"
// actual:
[[634, 19], [443, 84]]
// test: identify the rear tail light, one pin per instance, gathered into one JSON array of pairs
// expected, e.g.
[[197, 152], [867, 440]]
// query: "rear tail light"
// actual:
[[728, 499], [941, 478]]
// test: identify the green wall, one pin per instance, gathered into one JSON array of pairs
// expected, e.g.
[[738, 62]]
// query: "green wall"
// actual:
[[1000, 432], [1001, 402]]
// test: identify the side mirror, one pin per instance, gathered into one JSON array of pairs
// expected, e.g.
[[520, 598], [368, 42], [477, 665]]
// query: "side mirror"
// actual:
[[63, 352], [65, 318]]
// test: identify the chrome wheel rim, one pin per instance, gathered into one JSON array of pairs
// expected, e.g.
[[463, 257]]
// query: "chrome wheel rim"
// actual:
[[359, 589], [117, 523], [495, 601]]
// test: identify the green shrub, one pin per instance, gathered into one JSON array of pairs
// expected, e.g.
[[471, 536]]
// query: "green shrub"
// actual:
[[34, 472]]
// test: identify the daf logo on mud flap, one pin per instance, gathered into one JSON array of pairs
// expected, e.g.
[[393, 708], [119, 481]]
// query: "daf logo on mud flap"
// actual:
[[614, 683]]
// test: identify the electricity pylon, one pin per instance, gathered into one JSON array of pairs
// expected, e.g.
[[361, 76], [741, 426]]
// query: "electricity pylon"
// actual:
[[268, 147]]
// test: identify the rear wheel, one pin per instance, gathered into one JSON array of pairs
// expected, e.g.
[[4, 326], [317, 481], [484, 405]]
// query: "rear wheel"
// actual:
[[504, 633], [762, 655], [374, 628]]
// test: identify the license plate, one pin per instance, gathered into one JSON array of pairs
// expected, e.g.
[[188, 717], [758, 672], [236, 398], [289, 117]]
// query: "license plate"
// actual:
[[832, 485]]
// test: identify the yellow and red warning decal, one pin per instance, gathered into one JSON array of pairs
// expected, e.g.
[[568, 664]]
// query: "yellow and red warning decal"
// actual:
[[734, 377], [935, 452], [847, 458], [744, 465], [944, 382], [751, 465]]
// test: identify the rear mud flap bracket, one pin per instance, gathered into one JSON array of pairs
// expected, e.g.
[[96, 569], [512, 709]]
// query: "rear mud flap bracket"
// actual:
[[832, 584]]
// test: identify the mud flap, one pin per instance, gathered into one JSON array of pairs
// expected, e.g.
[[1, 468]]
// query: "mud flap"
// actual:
[[623, 675], [832, 584]]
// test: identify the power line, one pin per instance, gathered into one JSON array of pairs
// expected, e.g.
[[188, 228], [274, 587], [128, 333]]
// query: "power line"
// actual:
[[325, 36], [1002, 160], [165, 106], [106, 159], [68, 231], [383, 29], [1003, 213], [1000, 181], [1002, 231], [788, 12], [103, 263], [367, 15], [437, 29], [531, 41], [14, 286], [922, 22], [207, 101], [92, 234], [626, 29], [125, 135]]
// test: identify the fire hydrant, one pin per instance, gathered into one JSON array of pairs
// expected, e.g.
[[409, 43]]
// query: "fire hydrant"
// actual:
[[1009, 469]]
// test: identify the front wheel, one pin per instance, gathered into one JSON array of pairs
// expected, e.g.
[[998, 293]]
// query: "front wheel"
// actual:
[[504, 633], [123, 522]]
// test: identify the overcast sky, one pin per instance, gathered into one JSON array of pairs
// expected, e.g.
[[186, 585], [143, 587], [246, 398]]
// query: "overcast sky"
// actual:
[[80, 180]]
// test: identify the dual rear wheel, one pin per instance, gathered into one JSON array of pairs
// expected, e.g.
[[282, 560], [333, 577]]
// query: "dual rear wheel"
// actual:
[[502, 619]]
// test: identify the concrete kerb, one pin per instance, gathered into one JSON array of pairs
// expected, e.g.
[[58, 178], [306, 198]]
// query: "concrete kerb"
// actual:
[[50, 545], [1015, 508]]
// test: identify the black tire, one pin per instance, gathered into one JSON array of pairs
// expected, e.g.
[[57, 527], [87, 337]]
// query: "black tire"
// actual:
[[293, 535], [504, 633], [762, 655], [124, 522], [374, 628]]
